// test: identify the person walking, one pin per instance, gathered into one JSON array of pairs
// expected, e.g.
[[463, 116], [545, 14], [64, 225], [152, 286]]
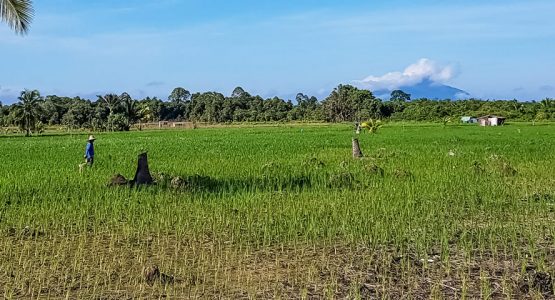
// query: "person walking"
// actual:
[[89, 151]]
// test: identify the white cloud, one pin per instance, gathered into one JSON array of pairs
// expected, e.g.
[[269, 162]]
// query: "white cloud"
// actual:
[[8, 95], [424, 69]]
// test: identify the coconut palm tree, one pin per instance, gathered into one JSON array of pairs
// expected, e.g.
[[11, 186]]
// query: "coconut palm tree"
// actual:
[[18, 14], [546, 104], [27, 112], [111, 100], [131, 111], [145, 114], [372, 125]]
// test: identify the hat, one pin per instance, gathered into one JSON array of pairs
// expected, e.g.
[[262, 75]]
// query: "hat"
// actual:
[[92, 138]]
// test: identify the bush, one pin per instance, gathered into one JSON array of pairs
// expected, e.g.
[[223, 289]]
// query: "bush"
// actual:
[[118, 122]]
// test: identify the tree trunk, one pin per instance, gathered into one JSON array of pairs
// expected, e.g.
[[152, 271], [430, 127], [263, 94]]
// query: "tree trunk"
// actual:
[[356, 149], [142, 176], [27, 126]]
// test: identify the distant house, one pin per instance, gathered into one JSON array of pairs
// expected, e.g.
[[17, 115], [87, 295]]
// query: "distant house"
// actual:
[[469, 120], [491, 121]]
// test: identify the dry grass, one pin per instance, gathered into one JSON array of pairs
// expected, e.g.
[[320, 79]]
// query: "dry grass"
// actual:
[[112, 267]]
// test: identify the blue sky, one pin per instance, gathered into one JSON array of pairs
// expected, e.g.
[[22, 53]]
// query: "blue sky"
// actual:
[[492, 49]]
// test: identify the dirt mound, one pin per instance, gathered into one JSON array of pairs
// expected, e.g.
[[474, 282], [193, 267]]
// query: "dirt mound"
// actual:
[[342, 180], [118, 180], [142, 175], [152, 274]]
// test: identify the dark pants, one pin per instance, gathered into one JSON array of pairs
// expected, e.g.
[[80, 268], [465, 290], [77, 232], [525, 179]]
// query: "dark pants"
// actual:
[[90, 161]]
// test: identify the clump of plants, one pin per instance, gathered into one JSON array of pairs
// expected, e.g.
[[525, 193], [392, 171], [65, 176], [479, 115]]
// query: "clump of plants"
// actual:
[[403, 174], [342, 180], [269, 169], [374, 169], [372, 125], [502, 165], [313, 163], [477, 168]]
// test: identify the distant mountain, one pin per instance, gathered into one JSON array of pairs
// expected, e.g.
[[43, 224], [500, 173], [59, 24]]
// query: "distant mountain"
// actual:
[[427, 89]]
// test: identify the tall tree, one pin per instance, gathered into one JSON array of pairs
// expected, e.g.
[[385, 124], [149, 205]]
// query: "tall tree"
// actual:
[[130, 109], [79, 115], [18, 14], [111, 100], [238, 92], [179, 95], [398, 95], [28, 111], [398, 100], [145, 112], [347, 103]]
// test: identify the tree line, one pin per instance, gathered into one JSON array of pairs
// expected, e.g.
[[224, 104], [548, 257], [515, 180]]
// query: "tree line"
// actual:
[[113, 112]]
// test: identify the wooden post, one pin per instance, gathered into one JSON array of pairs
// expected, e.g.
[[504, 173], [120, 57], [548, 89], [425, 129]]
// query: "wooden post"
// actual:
[[142, 176], [356, 149]]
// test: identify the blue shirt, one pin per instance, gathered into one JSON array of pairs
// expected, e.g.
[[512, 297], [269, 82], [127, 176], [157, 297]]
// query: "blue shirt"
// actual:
[[89, 151]]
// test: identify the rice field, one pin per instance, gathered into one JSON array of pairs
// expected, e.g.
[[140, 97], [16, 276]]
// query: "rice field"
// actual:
[[282, 212]]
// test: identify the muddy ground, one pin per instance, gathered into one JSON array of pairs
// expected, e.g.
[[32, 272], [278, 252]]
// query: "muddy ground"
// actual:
[[35, 265]]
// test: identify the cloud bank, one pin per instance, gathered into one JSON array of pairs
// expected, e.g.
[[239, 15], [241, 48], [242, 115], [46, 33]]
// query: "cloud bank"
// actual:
[[7, 95], [423, 70]]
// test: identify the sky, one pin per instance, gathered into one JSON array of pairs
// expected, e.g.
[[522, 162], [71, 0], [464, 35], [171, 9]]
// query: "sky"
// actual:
[[491, 49]]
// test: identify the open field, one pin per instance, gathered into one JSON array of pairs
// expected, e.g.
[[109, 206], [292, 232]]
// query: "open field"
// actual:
[[283, 212]]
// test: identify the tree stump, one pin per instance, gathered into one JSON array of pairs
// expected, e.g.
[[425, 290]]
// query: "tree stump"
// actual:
[[356, 149], [142, 176]]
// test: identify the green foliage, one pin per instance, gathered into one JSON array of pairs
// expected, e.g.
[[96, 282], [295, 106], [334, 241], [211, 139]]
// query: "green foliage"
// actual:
[[39, 127], [27, 112], [345, 103], [372, 125], [277, 205], [112, 101], [179, 95], [248, 165], [18, 14], [399, 96], [78, 115], [118, 122]]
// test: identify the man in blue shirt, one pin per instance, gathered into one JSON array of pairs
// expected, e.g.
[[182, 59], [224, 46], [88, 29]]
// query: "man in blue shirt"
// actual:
[[89, 151]]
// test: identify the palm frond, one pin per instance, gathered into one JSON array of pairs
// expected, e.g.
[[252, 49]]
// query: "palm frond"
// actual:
[[18, 14]]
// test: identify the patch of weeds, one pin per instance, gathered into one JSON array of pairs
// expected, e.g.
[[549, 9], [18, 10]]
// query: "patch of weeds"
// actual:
[[269, 168], [477, 168], [403, 174], [344, 165], [118, 180], [374, 169], [342, 180], [540, 197], [313, 164], [502, 166], [161, 178], [540, 282], [384, 154]]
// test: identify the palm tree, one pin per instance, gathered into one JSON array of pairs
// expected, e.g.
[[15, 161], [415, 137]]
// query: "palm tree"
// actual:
[[130, 108], [111, 100], [27, 111], [18, 14], [144, 114], [547, 103], [372, 125]]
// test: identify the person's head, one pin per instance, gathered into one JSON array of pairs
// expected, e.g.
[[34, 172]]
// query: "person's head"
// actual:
[[92, 139]]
